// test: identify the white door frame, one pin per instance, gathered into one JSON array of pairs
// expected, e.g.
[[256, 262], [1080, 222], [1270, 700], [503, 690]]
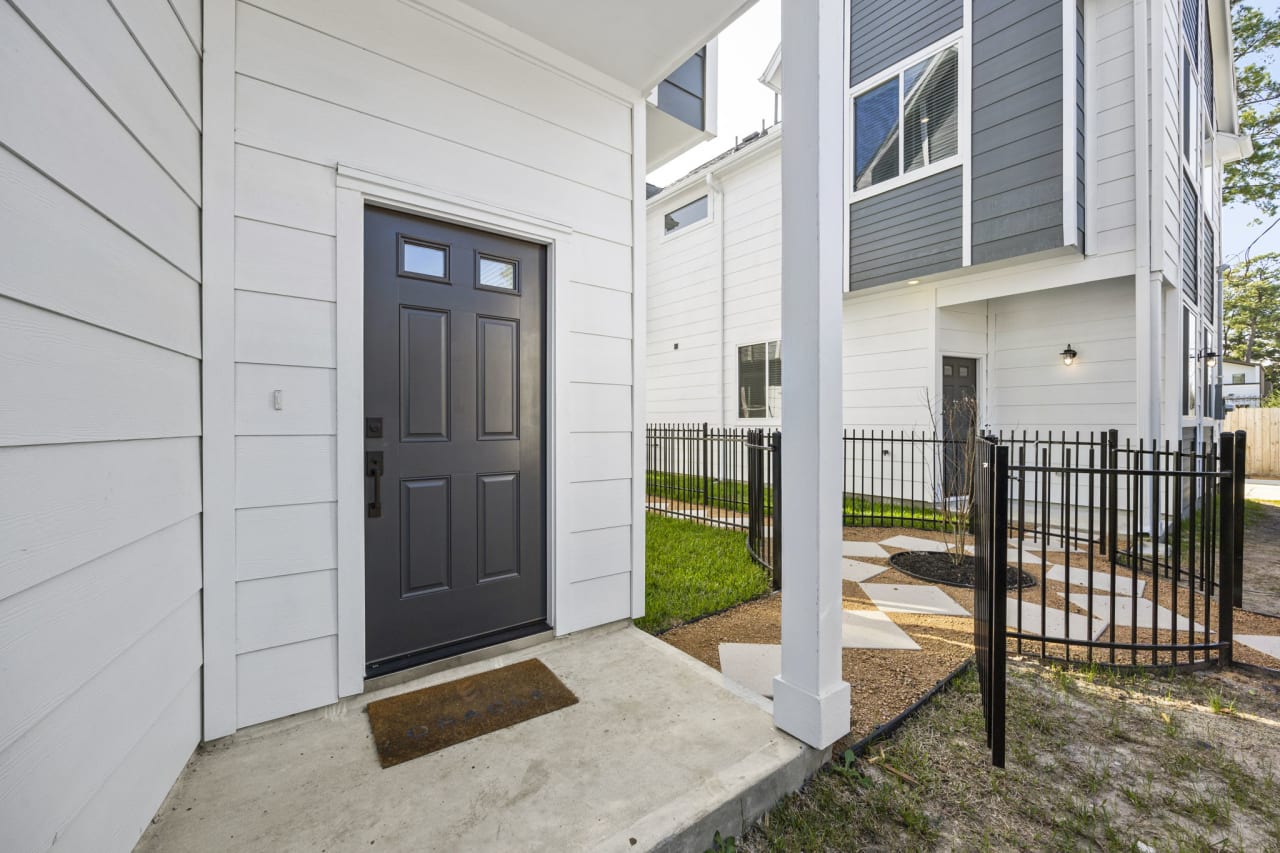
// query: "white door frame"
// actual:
[[357, 188]]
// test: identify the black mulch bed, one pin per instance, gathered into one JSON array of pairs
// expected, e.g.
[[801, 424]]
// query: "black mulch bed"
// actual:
[[939, 568]]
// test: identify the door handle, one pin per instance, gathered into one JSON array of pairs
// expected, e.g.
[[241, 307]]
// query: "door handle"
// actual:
[[373, 468]]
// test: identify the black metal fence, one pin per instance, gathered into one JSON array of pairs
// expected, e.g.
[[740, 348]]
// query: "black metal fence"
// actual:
[[721, 476], [990, 480]]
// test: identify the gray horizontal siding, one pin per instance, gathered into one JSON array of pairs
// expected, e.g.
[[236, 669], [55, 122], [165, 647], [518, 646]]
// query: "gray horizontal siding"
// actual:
[[1017, 200], [882, 33], [907, 232]]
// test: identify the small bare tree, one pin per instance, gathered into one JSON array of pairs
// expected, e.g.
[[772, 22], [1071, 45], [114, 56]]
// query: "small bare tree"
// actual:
[[954, 455]]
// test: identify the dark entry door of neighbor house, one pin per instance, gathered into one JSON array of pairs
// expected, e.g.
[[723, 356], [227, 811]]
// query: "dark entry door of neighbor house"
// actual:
[[455, 551], [959, 421]]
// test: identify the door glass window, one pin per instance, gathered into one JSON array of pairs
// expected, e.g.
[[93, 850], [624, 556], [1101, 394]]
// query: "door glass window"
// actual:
[[423, 259], [496, 273]]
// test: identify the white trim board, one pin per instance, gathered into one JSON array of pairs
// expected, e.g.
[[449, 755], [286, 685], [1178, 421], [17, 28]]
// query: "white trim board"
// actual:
[[357, 188]]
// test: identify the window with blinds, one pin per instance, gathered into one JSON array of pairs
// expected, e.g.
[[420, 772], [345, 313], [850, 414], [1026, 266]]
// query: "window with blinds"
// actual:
[[1208, 275], [909, 121], [1190, 237], [760, 380]]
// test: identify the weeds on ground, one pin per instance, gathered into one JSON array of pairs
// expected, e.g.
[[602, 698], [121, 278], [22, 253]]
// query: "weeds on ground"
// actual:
[[1098, 759]]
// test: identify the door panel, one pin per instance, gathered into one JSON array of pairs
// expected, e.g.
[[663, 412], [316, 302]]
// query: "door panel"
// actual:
[[959, 422], [454, 379]]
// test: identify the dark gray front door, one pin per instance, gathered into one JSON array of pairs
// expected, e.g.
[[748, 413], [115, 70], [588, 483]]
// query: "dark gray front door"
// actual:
[[453, 385], [959, 421]]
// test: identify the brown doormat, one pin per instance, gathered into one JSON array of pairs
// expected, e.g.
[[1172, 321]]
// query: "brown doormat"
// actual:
[[413, 724]]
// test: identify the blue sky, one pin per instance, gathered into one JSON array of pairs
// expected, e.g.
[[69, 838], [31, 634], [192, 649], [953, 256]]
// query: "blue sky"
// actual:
[[745, 49]]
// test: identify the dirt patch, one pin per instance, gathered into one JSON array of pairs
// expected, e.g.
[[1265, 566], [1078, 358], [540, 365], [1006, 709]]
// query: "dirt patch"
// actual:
[[1097, 759], [932, 567]]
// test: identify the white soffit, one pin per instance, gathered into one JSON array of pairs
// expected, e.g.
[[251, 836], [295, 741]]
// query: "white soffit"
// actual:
[[636, 43]]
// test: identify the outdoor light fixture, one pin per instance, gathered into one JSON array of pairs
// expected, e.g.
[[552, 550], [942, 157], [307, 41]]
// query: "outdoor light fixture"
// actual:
[[913, 281], [1210, 358], [1069, 355]]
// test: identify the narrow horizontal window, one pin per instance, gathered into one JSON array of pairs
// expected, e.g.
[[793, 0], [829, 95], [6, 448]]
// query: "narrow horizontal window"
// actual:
[[682, 217], [496, 273], [423, 259]]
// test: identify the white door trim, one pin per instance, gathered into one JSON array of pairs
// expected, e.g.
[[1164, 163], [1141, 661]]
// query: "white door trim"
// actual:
[[357, 188]]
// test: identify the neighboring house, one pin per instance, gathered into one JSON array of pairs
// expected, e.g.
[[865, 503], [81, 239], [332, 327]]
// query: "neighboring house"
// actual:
[[1024, 180], [1244, 384], [314, 314]]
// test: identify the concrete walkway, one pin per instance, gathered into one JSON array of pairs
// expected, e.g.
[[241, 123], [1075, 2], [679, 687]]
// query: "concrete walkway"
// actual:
[[1262, 490], [657, 754]]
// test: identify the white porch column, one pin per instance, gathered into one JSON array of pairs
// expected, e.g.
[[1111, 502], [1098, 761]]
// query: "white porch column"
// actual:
[[810, 700]]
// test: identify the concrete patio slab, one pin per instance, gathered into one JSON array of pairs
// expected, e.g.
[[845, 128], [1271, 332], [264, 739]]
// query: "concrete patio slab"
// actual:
[[856, 570], [1147, 611], [1261, 642], [751, 665], [1262, 490], [863, 549], [1101, 580], [1055, 624], [914, 543], [657, 754], [912, 598], [872, 629]]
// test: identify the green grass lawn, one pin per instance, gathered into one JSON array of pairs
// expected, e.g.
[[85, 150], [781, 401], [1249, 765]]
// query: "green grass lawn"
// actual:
[[694, 569]]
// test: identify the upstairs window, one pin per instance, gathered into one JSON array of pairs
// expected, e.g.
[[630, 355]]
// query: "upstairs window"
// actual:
[[683, 217], [1237, 379], [760, 381], [908, 122]]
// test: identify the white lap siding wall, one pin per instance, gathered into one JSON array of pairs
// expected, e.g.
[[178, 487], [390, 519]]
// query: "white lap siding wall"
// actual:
[[100, 345], [402, 91]]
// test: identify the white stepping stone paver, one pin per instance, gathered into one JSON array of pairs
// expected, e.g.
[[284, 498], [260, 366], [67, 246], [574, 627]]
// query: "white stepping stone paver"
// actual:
[[863, 549], [655, 505], [1055, 625], [1012, 554], [1147, 611], [1261, 642], [915, 543], [912, 598], [873, 629], [1101, 580], [856, 570], [752, 665], [1036, 545]]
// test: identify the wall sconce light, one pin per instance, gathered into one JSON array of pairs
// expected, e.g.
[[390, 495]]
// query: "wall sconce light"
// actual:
[[1069, 356], [1210, 358]]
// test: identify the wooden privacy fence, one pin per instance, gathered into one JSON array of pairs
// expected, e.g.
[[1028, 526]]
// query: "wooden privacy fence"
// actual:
[[1263, 426]]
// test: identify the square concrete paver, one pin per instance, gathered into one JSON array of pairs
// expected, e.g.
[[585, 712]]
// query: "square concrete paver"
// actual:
[[752, 665], [1101, 580], [863, 549], [912, 598], [914, 543], [872, 629], [1263, 643], [1147, 611], [856, 570], [1055, 624]]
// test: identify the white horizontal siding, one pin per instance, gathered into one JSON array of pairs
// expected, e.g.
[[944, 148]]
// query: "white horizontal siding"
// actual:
[[401, 91], [1110, 191], [889, 360], [100, 418]]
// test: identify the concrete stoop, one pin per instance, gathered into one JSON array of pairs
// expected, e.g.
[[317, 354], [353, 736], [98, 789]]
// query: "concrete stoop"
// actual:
[[660, 753]]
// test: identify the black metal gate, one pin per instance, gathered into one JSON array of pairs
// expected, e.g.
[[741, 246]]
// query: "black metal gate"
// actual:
[[990, 519], [764, 500]]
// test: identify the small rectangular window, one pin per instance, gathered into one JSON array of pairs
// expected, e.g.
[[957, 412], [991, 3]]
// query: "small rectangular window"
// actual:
[[1237, 379], [682, 217], [924, 99], [496, 273], [760, 380], [425, 260]]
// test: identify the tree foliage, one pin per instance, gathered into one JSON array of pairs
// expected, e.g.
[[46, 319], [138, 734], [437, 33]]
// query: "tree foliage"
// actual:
[[1256, 180], [1251, 312]]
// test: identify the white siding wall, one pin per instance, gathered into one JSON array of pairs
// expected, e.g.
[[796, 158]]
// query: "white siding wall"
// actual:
[[682, 374], [99, 417], [1030, 387], [752, 267], [405, 93], [1110, 123], [1166, 142], [890, 359]]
